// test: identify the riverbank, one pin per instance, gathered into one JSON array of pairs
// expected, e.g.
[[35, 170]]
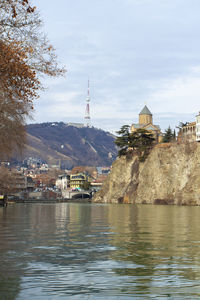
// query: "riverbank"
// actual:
[[45, 200]]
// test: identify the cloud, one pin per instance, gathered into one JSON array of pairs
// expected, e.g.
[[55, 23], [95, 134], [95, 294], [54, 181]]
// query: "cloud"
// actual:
[[133, 51], [180, 95]]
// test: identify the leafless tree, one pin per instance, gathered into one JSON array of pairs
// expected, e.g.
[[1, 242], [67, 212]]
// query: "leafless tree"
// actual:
[[25, 54]]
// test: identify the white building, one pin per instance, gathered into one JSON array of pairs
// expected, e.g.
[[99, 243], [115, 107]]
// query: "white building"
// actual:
[[198, 127], [77, 125], [62, 182]]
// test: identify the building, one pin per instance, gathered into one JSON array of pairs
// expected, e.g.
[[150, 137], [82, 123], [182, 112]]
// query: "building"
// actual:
[[89, 171], [98, 182], [77, 180], [77, 125], [146, 122], [63, 181], [198, 127], [188, 132], [14, 181]]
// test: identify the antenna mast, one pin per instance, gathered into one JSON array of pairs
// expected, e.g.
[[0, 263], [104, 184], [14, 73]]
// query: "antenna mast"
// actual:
[[87, 110]]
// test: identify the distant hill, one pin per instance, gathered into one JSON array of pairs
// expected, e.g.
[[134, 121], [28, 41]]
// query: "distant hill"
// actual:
[[69, 145]]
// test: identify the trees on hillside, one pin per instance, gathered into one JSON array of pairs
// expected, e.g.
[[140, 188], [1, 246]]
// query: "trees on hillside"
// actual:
[[123, 139], [25, 54], [169, 136], [140, 140]]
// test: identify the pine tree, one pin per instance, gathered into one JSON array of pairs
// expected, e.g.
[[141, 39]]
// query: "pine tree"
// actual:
[[141, 140], [168, 136], [123, 140], [174, 135]]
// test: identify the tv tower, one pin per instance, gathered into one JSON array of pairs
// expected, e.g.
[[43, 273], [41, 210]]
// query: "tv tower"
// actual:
[[87, 110]]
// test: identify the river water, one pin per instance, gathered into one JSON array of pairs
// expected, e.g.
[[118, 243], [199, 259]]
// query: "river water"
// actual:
[[94, 251]]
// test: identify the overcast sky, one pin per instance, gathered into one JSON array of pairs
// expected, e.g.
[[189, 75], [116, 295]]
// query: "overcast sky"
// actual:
[[135, 52]]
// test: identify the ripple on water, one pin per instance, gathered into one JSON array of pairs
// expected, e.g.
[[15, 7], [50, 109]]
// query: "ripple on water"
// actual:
[[99, 251]]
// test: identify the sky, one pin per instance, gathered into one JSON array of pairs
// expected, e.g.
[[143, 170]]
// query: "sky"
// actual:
[[134, 52]]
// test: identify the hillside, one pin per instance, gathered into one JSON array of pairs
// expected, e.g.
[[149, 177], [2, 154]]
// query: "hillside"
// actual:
[[69, 145]]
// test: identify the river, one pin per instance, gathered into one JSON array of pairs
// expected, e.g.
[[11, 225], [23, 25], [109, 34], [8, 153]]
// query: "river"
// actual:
[[99, 251]]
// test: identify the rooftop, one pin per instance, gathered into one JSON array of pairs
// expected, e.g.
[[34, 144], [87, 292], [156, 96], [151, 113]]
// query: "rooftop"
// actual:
[[145, 111]]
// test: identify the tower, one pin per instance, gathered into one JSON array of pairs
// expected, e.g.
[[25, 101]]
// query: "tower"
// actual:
[[145, 116], [87, 110]]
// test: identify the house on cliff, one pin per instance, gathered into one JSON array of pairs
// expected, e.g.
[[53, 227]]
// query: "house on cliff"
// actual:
[[146, 122], [198, 127], [187, 132], [190, 131]]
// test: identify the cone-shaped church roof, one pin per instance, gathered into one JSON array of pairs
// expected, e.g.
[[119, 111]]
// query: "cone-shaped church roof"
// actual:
[[145, 111]]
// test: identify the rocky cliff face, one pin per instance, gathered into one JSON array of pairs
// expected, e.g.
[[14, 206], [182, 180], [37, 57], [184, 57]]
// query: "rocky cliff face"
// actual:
[[169, 175]]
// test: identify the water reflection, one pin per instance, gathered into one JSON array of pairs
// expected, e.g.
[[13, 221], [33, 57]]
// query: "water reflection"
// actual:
[[161, 245], [94, 251]]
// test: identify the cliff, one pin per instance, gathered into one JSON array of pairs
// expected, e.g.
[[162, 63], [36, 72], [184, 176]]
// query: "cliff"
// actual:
[[169, 175]]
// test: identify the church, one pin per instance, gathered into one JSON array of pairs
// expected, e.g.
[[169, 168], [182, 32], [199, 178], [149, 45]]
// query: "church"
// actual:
[[146, 122]]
